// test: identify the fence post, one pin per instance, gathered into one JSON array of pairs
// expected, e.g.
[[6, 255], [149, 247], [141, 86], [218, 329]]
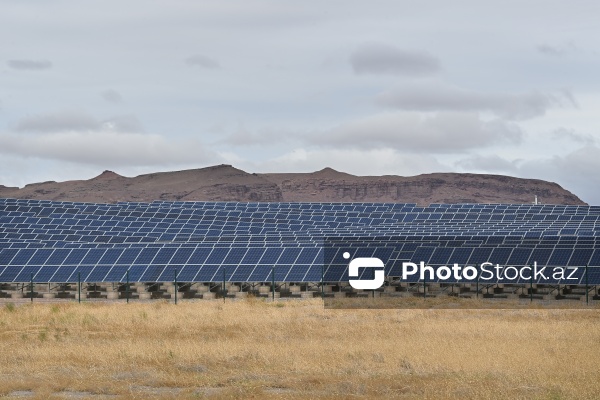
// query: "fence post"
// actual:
[[79, 286], [127, 287], [224, 290], [587, 299], [31, 286], [176, 289], [273, 283], [323, 281]]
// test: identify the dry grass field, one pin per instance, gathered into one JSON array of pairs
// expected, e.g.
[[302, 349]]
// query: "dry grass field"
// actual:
[[295, 349]]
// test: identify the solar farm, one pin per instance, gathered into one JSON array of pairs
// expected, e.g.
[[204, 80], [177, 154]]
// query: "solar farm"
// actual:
[[208, 250]]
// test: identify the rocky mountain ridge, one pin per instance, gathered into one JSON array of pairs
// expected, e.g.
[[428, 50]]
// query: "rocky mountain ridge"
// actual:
[[226, 183]]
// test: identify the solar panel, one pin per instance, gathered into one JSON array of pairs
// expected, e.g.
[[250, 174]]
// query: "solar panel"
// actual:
[[103, 241]]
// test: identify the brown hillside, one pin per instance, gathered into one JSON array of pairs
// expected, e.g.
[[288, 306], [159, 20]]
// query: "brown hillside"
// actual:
[[226, 183]]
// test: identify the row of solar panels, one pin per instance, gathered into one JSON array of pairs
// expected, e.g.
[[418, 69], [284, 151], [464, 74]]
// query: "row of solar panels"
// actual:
[[274, 214], [292, 254], [37, 207], [438, 239], [236, 264], [59, 240], [98, 242], [379, 218], [303, 205], [125, 235], [435, 252], [164, 227], [72, 219], [175, 234], [283, 224], [158, 229]]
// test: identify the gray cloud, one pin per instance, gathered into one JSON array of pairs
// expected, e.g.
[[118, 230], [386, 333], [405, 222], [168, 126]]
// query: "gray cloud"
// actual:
[[202, 61], [569, 97], [106, 148], [446, 132], [431, 96], [575, 171], [378, 58], [112, 96], [243, 137], [571, 134], [62, 121], [556, 51], [442, 133], [67, 121], [578, 170], [491, 163], [123, 123], [354, 161], [29, 65], [75, 136]]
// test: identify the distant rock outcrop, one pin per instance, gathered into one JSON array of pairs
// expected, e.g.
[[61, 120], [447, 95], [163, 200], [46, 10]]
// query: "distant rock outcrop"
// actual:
[[226, 183], [6, 189], [107, 175], [422, 189]]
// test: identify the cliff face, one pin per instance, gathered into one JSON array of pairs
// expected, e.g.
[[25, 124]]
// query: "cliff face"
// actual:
[[5, 189], [225, 183], [421, 189]]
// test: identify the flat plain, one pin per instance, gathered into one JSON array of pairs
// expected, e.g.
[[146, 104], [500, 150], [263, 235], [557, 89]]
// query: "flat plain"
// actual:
[[295, 349]]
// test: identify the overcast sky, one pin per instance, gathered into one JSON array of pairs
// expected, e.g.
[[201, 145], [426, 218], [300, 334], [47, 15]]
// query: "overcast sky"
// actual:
[[369, 88]]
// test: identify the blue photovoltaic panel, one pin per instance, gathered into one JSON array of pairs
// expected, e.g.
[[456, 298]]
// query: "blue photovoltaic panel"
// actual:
[[560, 257], [55, 241], [127, 256], [580, 257], [116, 273], [208, 273], [93, 256]]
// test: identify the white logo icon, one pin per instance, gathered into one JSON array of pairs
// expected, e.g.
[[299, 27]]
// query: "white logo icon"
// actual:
[[365, 262]]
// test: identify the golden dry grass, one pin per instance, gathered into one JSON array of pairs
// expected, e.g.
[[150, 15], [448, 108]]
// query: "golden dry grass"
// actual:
[[295, 349]]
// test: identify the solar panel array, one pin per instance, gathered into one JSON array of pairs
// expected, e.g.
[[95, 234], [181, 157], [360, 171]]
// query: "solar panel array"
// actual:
[[295, 242]]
